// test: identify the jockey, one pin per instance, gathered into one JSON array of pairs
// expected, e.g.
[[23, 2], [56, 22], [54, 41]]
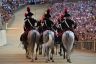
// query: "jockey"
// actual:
[[68, 24]]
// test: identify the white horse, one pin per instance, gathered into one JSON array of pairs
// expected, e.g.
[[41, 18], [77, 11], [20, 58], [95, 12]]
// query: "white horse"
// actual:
[[48, 46], [68, 41], [33, 37]]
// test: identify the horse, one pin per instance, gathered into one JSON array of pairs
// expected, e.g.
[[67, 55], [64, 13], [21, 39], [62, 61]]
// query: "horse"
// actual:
[[33, 37], [48, 45], [68, 41]]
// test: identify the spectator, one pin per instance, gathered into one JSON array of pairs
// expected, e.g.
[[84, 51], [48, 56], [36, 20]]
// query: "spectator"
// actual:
[[83, 12]]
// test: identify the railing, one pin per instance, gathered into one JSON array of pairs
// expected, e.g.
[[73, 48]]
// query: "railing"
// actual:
[[86, 45]]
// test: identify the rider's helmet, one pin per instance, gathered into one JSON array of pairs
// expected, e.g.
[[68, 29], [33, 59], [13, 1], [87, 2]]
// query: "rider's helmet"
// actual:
[[29, 13], [66, 13], [28, 9]]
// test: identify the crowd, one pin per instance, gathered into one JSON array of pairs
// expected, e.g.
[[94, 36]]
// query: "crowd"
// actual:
[[4, 15], [83, 13], [7, 9], [12, 5]]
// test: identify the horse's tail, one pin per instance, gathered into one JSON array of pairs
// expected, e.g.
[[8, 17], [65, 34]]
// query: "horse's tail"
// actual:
[[67, 36], [49, 38], [50, 41], [34, 37]]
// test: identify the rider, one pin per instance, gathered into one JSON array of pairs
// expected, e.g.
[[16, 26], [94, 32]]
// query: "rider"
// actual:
[[41, 28], [40, 25], [29, 23], [47, 22], [60, 32], [68, 24]]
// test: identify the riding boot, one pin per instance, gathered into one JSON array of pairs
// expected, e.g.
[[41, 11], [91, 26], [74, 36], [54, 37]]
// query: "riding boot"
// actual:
[[23, 37], [76, 38]]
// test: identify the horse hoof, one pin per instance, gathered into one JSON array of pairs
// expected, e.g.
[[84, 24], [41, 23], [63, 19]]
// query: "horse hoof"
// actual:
[[44, 55], [63, 57], [40, 53], [28, 57], [52, 60], [68, 60], [36, 58], [46, 61], [32, 60], [60, 54]]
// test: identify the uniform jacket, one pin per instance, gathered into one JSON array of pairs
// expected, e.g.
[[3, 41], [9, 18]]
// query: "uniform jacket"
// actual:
[[71, 23]]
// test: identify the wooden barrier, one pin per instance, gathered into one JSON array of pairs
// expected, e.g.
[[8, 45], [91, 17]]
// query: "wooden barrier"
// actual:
[[86, 45]]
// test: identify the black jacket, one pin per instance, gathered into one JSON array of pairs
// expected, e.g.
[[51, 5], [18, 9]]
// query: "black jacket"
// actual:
[[72, 25], [48, 23], [40, 27], [28, 25], [30, 14]]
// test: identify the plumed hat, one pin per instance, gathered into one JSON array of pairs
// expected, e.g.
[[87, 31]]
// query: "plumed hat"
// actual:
[[66, 13]]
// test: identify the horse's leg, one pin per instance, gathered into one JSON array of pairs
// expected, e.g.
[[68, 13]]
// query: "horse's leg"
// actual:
[[64, 51], [56, 45], [70, 50], [25, 47], [68, 53], [36, 51], [52, 52], [44, 49], [56, 48], [28, 52], [32, 51], [40, 49], [60, 49], [47, 54]]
